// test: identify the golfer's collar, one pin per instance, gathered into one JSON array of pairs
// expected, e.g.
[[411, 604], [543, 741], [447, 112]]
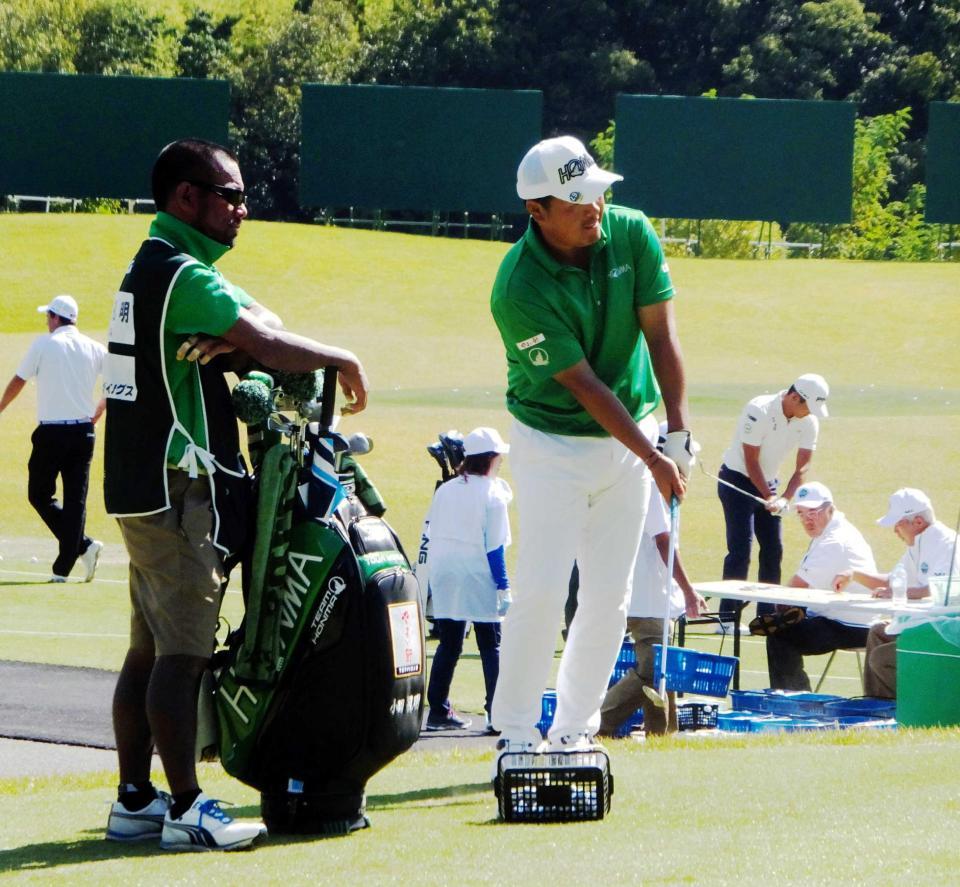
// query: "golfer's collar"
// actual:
[[187, 238], [534, 242], [780, 413]]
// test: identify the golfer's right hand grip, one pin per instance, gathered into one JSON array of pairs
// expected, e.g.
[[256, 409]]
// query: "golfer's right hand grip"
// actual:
[[328, 397]]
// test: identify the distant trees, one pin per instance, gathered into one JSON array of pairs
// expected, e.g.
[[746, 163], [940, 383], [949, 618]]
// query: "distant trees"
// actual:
[[885, 55]]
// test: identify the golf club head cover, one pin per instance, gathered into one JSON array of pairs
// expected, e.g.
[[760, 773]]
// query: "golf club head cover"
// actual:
[[681, 447]]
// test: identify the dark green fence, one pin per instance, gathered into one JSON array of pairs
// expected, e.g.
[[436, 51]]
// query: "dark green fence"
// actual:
[[749, 159], [415, 148], [943, 164], [85, 136]]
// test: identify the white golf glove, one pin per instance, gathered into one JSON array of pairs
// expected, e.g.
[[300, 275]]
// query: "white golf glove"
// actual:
[[682, 448], [779, 506]]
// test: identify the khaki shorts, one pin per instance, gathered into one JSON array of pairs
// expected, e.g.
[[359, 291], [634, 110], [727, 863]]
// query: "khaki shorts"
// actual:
[[176, 573]]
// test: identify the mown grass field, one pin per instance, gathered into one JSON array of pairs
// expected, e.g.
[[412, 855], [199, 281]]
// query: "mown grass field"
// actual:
[[795, 810]]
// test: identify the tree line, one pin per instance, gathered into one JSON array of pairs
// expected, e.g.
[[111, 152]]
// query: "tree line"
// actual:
[[890, 57]]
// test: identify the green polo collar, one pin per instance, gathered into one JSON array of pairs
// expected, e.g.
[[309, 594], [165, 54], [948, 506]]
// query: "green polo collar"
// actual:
[[187, 238], [534, 242]]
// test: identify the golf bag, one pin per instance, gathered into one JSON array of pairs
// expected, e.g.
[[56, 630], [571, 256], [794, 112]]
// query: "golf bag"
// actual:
[[322, 685]]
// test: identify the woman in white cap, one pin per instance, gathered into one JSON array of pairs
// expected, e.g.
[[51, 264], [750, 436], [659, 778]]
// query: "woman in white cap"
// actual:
[[469, 530]]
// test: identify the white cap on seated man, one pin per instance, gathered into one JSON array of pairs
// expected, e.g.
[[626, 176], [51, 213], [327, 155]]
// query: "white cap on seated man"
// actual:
[[931, 550]]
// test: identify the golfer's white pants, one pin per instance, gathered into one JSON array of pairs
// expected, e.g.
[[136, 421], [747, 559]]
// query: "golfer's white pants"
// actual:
[[579, 499]]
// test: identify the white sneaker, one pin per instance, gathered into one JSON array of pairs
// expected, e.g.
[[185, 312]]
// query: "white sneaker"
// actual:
[[138, 825], [90, 559], [57, 579], [575, 742], [206, 827], [507, 746]]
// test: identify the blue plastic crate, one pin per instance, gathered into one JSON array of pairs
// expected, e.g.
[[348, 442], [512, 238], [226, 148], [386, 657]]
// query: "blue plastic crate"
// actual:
[[770, 724], [548, 708], [801, 725], [626, 662], [749, 700], [734, 722], [864, 706], [801, 704], [634, 722], [866, 723], [689, 671]]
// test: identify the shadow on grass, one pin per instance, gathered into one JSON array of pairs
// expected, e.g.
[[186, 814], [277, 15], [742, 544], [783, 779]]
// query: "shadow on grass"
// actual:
[[73, 851], [438, 793], [26, 582]]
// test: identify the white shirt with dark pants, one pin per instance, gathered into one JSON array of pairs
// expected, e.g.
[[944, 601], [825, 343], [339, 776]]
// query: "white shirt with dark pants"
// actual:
[[839, 547], [66, 364]]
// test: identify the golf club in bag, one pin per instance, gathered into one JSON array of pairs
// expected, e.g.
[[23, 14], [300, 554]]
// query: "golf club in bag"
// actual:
[[323, 684]]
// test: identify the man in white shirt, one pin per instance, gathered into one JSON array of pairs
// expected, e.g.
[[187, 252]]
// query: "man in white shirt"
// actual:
[[645, 625], [66, 364], [931, 549], [836, 545], [770, 426]]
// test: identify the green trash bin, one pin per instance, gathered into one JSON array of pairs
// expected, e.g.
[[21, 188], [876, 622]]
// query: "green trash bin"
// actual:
[[928, 674]]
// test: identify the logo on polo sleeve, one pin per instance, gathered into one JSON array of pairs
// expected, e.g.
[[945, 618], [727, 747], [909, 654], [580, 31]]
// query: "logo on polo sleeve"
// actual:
[[539, 357]]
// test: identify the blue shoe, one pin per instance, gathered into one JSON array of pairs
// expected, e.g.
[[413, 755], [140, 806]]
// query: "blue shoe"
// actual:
[[206, 827]]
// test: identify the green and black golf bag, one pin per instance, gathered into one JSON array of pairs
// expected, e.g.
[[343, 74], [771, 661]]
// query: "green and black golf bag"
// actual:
[[323, 685]]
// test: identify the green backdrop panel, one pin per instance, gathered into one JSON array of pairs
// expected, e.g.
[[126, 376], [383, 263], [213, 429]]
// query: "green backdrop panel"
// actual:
[[71, 135], [703, 158], [943, 164], [415, 148]]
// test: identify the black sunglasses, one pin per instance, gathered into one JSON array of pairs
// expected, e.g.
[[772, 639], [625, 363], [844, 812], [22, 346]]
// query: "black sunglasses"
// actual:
[[234, 196]]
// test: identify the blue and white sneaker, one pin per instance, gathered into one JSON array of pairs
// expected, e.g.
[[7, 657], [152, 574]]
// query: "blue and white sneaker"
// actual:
[[138, 825], [206, 827]]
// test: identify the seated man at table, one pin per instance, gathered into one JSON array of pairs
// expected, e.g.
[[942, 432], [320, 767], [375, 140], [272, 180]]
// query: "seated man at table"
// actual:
[[836, 545], [931, 546]]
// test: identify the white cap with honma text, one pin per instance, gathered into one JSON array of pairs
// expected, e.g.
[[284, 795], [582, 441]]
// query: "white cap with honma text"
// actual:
[[815, 391], [562, 168], [906, 502], [62, 306]]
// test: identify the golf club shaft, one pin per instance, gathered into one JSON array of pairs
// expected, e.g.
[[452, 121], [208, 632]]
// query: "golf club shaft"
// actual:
[[727, 483], [671, 558]]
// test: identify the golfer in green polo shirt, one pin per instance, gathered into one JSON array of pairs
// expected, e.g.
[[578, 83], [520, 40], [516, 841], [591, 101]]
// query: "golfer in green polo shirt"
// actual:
[[583, 304]]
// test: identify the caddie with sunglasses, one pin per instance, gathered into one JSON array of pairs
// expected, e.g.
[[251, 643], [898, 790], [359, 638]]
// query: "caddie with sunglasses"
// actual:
[[173, 478]]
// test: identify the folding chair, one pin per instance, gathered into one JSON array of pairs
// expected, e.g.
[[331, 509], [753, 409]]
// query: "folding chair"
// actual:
[[826, 668]]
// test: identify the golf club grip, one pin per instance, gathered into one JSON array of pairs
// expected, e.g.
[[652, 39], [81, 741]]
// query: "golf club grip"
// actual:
[[328, 397]]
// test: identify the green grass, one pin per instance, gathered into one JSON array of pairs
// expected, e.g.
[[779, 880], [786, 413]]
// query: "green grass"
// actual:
[[829, 809], [788, 809], [415, 310]]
